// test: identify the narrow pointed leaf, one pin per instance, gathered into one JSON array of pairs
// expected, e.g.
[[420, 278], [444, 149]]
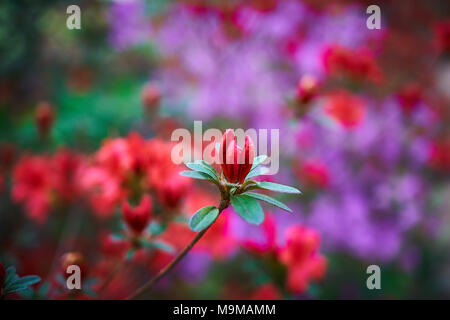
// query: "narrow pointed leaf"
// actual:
[[203, 218], [247, 208], [278, 187], [196, 175], [257, 172], [268, 199], [209, 166], [201, 168], [258, 160]]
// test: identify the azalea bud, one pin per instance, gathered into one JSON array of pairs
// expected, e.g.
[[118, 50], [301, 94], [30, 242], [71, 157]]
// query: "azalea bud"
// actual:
[[137, 218], [44, 117], [307, 88], [150, 96], [2, 276], [236, 162], [73, 258]]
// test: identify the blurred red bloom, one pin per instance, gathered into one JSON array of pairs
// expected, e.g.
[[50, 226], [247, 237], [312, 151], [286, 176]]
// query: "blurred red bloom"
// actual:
[[300, 255], [442, 35], [74, 258], [32, 185], [235, 161], [65, 165], [409, 96], [112, 246], [267, 291], [173, 190], [307, 88], [44, 117], [137, 218], [358, 65], [439, 156], [345, 108], [315, 173]]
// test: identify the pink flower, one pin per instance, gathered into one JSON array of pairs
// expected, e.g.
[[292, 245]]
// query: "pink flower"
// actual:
[[236, 162], [173, 190]]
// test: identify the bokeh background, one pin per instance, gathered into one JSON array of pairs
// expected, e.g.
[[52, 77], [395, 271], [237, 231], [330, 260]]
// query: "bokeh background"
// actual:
[[85, 123]]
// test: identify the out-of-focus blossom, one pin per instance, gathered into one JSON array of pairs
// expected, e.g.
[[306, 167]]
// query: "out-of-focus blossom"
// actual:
[[266, 292], [358, 65], [173, 191], [33, 185], [307, 88], [44, 117], [442, 35], [439, 156], [302, 258], [409, 97], [74, 258], [112, 246], [137, 218], [235, 161], [129, 24], [315, 173], [345, 108]]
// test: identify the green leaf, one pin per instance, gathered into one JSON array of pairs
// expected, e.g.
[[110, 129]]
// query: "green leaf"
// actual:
[[10, 275], [268, 199], [258, 160], [163, 246], [257, 172], [201, 168], [203, 218], [156, 228], [277, 187], [209, 166], [196, 175], [27, 281], [248, 208]]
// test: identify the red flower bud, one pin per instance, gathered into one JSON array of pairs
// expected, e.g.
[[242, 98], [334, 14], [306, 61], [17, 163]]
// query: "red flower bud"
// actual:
[[235, 161], [173, 190], [44, 117], [2, 276], [73, 258], [150, 96], [307, 88], [137, 218]]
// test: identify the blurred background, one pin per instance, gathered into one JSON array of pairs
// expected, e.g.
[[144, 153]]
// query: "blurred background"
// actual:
[[86, 118]]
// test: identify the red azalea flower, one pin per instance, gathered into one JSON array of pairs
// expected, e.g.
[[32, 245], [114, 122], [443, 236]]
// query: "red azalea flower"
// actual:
[[307, 88], [173, 190], [32, 185], [439, 157], [409, 96], [300, 255], [315, 173], [267, 291], [442, 35], [236, 162], [137, 218], [357, 64], [345, 108]]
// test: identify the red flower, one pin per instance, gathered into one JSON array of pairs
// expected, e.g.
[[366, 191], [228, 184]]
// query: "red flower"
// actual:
[[315, 173], [32, 184], [173, 190], [357, 64], [137, 218], [345, 108], [300, 255], [439, 157], [236, 162], [44, 117], [266, 292], [409, 96], [442, 35], [2, 277], [307, 88]]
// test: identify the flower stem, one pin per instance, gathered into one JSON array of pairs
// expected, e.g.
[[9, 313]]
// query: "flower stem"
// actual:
[[224, 203]]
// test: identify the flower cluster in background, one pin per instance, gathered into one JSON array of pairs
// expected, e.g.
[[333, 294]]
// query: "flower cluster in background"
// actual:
[[86, 175]]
